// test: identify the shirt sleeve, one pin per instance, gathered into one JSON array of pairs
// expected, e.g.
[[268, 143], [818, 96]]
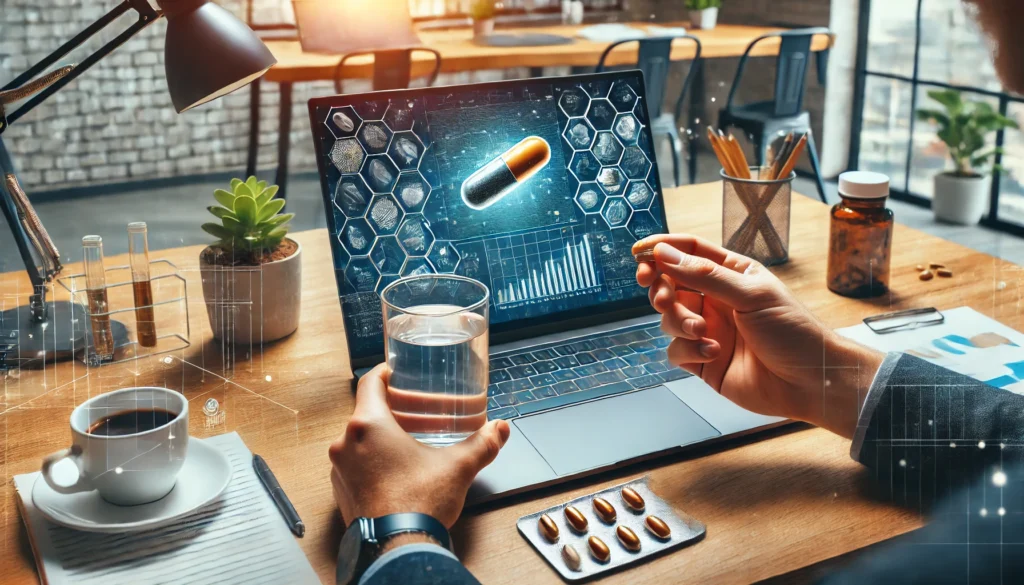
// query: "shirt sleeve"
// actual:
[[875, 392], [420, 563]]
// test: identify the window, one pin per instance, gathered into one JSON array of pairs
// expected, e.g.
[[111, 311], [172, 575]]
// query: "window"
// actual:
[[911, 47]]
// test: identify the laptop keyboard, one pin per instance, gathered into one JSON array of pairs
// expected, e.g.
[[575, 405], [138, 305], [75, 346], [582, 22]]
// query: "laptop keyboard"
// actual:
[[539, 378]]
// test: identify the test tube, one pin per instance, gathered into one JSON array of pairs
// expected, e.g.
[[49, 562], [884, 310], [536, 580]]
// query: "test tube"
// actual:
[[96, 290], [138, 254]]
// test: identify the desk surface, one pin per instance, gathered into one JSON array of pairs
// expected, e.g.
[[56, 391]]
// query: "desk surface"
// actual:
[[460, 53], [773, 504]]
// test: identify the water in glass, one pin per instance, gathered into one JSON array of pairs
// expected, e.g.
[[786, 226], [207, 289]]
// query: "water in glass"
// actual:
[[437, 355]]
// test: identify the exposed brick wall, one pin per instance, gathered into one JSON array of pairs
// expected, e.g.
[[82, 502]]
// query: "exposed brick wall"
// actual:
[[116, 122]]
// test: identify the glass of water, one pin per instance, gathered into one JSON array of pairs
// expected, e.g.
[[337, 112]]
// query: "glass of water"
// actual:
[[435, 328]]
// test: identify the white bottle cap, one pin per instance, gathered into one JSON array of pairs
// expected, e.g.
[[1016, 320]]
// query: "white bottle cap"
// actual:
[[863, 185]]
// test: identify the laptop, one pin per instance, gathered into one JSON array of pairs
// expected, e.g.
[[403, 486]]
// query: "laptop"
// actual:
[[418, 181]]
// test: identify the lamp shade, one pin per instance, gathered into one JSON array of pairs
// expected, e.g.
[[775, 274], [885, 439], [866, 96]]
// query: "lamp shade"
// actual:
[[349, 26], [208, 52]]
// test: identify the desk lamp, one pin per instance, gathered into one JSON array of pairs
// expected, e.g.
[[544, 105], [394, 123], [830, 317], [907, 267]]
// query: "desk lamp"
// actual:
[[207, 53]]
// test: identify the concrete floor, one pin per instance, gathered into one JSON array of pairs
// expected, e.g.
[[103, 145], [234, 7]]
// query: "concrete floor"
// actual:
[[174, 215]]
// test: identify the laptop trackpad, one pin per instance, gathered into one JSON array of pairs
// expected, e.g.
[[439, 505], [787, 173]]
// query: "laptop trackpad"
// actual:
[[605, 432]]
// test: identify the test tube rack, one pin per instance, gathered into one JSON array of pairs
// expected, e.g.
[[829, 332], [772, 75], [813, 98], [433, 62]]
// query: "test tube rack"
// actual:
[[166, 281]]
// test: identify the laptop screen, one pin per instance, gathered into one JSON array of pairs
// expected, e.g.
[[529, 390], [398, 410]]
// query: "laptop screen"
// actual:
[[538, 188]]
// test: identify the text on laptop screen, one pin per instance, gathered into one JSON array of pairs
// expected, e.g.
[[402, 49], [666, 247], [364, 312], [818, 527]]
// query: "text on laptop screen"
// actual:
[[536, 188]]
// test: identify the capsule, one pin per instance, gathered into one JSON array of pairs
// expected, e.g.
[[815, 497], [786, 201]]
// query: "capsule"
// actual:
[[598, 549], [501, 176], [571, 557], [633, 499], [628, 538], [548, 528], [604, 509], [657, 527], [576, 519]]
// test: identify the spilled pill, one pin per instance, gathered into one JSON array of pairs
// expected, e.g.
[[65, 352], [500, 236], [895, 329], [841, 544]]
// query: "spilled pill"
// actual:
[[657, 527], [504, 173], [571, 557], [598, 549], [548, 527], [604, 510], [926, 275], [920, 267], [628, 538], [633, 499], [944, 272], [576, 519], [934, 265]]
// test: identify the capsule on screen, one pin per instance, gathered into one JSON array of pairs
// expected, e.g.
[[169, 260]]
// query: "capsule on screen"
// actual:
[[502, 175]]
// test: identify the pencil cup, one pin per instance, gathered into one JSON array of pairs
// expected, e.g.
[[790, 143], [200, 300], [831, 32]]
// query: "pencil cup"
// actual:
[[755, 216]]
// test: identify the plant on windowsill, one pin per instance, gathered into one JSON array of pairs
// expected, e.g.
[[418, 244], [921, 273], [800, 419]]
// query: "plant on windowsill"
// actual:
[[482, 13], [252, 276], [961, 195], [703, 13]]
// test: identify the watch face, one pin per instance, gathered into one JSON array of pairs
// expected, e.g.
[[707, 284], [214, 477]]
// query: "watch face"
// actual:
[[348, 554]]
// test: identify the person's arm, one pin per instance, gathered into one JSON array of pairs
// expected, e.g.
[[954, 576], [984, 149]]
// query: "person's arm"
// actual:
[[379, 469], [927, 432]]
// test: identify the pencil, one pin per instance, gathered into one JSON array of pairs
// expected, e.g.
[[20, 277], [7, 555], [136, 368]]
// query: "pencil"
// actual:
[[793, 157]]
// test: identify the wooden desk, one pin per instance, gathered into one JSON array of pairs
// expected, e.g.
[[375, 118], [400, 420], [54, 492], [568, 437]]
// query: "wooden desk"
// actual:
[[772, 504], [459, 53]]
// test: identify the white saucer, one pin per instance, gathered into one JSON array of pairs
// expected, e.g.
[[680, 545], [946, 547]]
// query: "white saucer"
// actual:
[[203, 477]]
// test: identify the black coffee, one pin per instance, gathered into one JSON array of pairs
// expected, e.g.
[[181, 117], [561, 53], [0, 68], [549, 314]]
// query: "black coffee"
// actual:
[[130, 422]]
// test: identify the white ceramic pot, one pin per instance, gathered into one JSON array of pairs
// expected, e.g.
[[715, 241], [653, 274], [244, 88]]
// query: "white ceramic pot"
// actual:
[[482, 28], [961, 200], [704, 19], [253, 304]]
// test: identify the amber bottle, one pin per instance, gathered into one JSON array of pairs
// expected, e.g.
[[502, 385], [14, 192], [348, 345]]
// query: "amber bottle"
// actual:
[[860, 236]]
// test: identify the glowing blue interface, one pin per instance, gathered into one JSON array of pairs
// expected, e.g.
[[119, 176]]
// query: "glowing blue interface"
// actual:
[[559, 212]]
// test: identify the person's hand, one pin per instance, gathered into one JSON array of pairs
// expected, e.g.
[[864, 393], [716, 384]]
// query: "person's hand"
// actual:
[[750, 339], [379, 469]]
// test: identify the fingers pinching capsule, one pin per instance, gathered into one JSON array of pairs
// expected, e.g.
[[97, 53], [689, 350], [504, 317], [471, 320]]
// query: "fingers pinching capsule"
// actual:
[[504, 173]]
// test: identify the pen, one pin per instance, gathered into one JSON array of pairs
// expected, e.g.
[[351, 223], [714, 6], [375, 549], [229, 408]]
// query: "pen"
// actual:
[[284, 505]]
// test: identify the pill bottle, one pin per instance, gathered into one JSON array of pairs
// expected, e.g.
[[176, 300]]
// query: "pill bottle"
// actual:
[[860, 236]]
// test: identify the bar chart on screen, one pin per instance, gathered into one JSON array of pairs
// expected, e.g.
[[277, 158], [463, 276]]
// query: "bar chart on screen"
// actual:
[[560, 271]]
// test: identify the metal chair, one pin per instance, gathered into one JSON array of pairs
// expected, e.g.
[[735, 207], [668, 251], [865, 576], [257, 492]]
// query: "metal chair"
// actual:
[[766, 120], [392, 69], [654, 55]]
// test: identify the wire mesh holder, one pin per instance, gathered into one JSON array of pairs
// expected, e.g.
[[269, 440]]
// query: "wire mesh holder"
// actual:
[[756, 216], [164, 274]]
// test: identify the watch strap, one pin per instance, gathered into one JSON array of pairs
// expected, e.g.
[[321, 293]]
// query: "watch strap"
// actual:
[[385, 527]]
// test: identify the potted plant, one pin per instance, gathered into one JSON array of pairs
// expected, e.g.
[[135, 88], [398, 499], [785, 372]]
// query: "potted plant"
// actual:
[[482, 13], [252, 276], [961, 195], [703, 13]]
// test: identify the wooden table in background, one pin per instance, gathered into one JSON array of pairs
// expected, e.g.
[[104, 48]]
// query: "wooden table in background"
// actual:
[[459, 53], [773, 504]]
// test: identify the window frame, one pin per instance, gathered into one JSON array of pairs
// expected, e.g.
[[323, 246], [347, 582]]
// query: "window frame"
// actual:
[[861, 75]]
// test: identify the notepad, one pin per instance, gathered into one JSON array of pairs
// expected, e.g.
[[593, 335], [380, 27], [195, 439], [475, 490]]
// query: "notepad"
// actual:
[[240, 538]]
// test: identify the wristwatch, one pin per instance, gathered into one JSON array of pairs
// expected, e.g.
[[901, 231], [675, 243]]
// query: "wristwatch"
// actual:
[[365, 536]]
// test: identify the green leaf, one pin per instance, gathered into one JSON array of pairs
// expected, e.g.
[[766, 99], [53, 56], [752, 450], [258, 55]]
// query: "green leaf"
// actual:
[[236, 227], [224, 198], [266, 196], [277, 234], [218, 231], [261, 186], [220, 212], [270, 210], [949, 98], [235, 183], [251, 183], [243, 190], [279, 220], [245, 210], [928, 115]]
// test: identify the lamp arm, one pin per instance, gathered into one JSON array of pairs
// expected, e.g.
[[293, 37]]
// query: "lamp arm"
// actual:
[[147, 16]]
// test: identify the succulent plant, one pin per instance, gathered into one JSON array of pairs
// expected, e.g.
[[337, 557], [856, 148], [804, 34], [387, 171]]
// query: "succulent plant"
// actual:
[[250, 218]]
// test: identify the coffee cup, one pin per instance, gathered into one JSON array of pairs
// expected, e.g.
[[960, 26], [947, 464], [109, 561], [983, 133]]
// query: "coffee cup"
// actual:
[[128, 445]]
